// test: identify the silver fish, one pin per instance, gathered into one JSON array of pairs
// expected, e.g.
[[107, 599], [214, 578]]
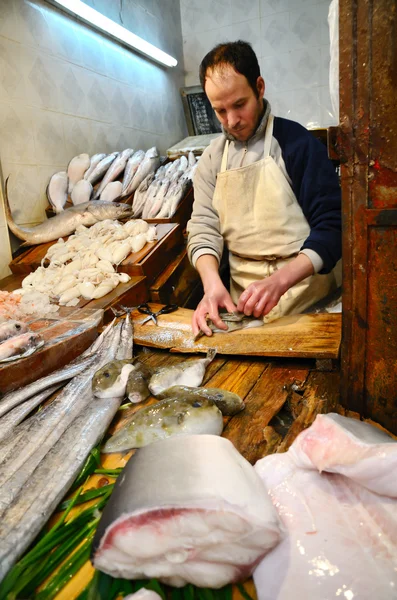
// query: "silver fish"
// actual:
[[20, 346], [149, 164], [158, 202], [130, 169], [234, 322], [166, 418], [189, 372], [57, 190], [82, 192], [140, 195], [191, 159], [112, 191], [99, 171], [76, 169], [116, 168], [228, 403], [11, 329], [94, 161], [66, 222]]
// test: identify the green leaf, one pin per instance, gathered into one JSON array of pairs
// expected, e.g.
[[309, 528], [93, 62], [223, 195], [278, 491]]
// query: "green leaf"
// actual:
[[88, 495], [244, 592]]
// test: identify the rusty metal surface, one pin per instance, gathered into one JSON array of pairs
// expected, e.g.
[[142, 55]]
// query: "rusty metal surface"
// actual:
[[367, 139]]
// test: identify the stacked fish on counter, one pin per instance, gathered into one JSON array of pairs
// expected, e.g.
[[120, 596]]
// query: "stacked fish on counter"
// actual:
[[83, 265], [17, 341]]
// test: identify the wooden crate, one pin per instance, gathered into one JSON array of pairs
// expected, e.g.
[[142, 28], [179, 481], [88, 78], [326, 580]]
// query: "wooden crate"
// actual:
[[175, 283]]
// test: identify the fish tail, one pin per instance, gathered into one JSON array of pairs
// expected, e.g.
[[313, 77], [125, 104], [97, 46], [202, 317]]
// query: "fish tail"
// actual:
[[16, 230], [211, 354]]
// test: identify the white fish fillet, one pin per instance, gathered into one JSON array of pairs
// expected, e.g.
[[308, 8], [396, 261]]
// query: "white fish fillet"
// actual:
[[187, 509], [81, 192], [94, 161], [57, 190], [342, 537], [111, 191], [76, 169]]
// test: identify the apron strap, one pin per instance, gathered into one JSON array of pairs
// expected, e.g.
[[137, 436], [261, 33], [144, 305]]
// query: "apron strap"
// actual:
[[268, 136], [224, 157]]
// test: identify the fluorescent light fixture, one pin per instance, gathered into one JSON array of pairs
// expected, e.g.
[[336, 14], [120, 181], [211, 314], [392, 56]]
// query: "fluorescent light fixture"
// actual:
[[93, 17]]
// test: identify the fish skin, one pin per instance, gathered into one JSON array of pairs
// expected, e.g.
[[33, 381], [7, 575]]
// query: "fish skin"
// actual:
[[20, 346], [234, 322], [94, 161], [112, 191], [76, 169], [228, 403], [137, 389], [138, 202], [117, 167], [189, 372], [111, 380], [66, 222], [131, 168], [12, 328], [57, 190], [149, 164], [81, 192], [164, 419], [101, 168]]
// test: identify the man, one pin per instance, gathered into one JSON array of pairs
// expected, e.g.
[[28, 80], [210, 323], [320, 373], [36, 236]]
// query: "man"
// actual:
[[267, 190]]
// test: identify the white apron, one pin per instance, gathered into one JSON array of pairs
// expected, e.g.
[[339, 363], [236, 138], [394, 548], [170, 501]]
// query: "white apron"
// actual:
[[264, 228]]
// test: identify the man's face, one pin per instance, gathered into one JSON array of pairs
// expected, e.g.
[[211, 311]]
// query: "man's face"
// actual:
[[234, 101]]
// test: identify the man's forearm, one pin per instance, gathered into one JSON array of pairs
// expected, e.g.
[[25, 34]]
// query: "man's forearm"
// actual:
[[208, 269], [298, 269]]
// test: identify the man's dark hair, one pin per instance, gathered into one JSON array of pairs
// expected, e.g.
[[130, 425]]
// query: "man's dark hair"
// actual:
[[239, 55]]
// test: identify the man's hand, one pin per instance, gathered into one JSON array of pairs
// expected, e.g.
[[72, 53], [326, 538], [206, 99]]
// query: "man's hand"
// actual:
[[261, 296]]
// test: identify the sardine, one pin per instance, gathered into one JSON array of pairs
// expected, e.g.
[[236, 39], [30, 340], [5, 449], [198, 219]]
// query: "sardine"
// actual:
[[189, 372], [111, 380], [57, 190], [116, 168], [99, 171], [149, 164], [130, 169], [94, 161], [20, 346], [234, 322], [137, 389], [76, 169], [82, 192], [66, 222], [227, 402], [166, 418], [111, 191], [11, 329]]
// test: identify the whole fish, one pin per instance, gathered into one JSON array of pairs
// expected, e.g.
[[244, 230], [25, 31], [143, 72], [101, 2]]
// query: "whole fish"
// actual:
[[116, 168], [111, 380], [12, 328], [228, 403], [76, 169], [94, 161], [189, 372], [57, 190], [100, 169], [149, 164], [81, 192], [166, 418], [137, 389], [131, 168], [66, 222], [139, 200], [234, 322], [20, 346], [112, 191]]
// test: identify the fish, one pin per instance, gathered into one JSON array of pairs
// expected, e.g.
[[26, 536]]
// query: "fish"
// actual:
[[228, 403], [94, 161], [149, 164], [234, 322], [81, 192], [66, 222], [140, 196], [137, 389], [130, 169], [188, 509], [20, 346], [164, 419], [76, 169], [189, 372], [100, 169], [111, 191], [57, 190], [115, 169], [12, 328], [111, 380]]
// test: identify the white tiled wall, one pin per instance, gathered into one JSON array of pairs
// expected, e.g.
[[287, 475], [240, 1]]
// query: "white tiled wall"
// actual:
[[66, 89], [290, 38]]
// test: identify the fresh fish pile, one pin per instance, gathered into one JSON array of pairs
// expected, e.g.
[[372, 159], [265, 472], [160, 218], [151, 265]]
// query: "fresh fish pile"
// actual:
[[67, 221], [187, 510], [147, 164], [28, 306], [189, 372], [57, 191], [234, 322], [341, 525], [228, 403], [159, 196], [121, 377], [42, 456], [84, 265], [20, 346], [170, 417]]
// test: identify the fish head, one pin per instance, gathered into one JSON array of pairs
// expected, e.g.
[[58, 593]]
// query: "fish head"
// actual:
[[191, 415], [17, 327], [106, 380], [110, 210]]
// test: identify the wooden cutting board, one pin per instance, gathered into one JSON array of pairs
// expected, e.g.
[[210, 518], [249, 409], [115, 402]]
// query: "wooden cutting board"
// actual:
[[306, 336]]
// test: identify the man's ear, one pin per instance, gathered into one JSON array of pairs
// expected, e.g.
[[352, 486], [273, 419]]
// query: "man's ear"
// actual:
[[260, 86]]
